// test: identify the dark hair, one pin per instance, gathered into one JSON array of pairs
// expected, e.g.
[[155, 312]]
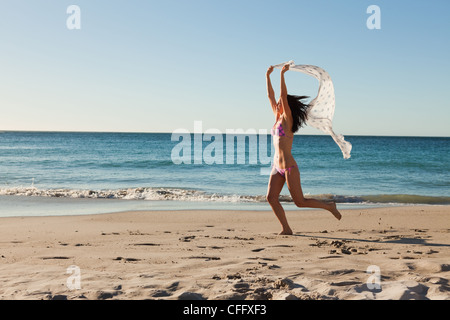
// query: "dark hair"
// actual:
[[298, 111]]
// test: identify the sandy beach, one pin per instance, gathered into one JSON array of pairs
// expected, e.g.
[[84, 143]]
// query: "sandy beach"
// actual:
[[228, 255]]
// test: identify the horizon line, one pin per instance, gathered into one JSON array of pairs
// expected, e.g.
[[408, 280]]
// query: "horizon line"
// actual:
[[145, 132]]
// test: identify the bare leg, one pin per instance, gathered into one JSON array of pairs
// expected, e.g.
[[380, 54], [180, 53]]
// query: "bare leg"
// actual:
[[294, 185], [276, 183]]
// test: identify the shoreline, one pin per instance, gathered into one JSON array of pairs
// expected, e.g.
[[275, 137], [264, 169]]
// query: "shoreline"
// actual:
[[228, 254], [42, 206]]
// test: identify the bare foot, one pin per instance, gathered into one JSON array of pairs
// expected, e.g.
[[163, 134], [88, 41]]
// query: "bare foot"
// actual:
[[286, 232], [335, 211]]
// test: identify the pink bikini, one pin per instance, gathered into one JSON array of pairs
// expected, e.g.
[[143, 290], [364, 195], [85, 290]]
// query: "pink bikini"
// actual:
[[279, 132]]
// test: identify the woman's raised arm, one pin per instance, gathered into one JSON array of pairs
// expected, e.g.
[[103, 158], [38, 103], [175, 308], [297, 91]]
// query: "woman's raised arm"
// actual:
[[270, 92], [283, 92]]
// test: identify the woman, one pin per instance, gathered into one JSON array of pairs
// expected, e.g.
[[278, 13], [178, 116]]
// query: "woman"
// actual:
[[290, 115]]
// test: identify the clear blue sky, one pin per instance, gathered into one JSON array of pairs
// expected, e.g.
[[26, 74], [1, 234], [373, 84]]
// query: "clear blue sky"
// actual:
[[155, 66]]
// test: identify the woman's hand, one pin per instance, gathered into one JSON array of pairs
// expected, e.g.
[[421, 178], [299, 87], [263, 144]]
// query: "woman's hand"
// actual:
[[285, 68], [269, 71]]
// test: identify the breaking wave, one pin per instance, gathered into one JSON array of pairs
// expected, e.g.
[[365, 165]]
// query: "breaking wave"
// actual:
[[151, 193]]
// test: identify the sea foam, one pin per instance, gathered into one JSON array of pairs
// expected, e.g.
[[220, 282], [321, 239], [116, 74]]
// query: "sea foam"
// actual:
[[178, 194]]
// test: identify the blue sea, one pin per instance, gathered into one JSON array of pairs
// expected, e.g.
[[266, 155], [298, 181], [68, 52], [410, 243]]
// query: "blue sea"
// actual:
[[64, 173]]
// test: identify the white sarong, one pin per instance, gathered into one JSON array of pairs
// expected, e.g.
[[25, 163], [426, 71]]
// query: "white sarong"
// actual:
[[321, 109]]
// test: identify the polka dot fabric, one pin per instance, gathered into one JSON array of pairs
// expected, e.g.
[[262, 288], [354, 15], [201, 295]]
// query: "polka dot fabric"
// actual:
[[321, 108]]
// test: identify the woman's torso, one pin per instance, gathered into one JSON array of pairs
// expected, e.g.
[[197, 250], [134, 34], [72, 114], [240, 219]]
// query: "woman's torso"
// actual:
[[282, 141]]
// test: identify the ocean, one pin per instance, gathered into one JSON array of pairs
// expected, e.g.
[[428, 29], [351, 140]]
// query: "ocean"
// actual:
[[61, 173]]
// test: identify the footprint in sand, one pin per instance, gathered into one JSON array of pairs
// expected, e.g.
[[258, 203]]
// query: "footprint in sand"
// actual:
[[137, 233], [206, 258], [173, 286], [211, 247], [337, 272], [158, 293], [241, 287], [56, 297], [282, 246], [408, 258], [82, 245], [330, 257], [345, 283], [127, 259], [187, 238], [103, 295]]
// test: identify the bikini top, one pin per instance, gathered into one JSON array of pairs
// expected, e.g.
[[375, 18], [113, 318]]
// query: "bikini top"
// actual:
[[279, 131]]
